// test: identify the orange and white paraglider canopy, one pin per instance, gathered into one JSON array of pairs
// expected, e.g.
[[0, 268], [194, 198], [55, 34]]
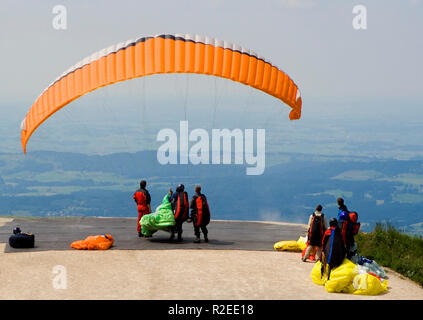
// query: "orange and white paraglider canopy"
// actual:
[[162, 54]]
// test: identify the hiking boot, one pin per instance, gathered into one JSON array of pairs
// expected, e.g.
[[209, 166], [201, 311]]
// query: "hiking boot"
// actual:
[[140, 234], [197, 240]]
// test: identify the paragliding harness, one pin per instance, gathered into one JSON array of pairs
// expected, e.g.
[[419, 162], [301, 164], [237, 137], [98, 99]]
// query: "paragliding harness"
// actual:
[[355, 226], [349, 225], [22, 240], [182, 206], [332, 236], [142, 198], [203, 211], [147, 199], [315, 232]]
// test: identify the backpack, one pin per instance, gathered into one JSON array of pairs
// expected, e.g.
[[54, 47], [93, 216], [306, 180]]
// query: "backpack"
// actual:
[[203, 212], [182, 206], [316, 231], [349, 227], [355, 226], [22, 240]]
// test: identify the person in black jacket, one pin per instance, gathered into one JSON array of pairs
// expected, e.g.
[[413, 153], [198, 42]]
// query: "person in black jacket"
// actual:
[[341, 206], [317, 226], [180, 207], [200, 214], [346, 226]]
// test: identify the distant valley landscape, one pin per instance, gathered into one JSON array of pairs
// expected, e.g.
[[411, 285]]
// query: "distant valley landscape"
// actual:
[[69, 184], [79, 165]]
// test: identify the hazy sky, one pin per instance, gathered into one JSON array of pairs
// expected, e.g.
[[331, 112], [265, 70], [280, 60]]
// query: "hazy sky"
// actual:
[[313, 41]]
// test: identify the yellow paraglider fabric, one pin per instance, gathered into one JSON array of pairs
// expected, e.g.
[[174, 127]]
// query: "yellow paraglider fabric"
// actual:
[[345, 279], [369, 284], [316, 274], [289, 245], [302, 243], [341, 277]]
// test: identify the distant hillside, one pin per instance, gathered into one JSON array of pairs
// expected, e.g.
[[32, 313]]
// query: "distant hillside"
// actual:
[[62, 184]]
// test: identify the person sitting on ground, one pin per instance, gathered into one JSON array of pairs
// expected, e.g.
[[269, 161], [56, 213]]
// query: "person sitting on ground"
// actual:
[[200, 214], [334, 251], [143, 199], [180, 207], [317, 226]]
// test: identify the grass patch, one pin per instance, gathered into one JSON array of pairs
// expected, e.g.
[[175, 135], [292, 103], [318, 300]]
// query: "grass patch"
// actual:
[[393, 249]]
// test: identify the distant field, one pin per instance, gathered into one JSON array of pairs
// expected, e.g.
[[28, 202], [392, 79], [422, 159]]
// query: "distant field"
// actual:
[[409, 180], [359, 175], [334, 193], [407, 198], [70, 184]]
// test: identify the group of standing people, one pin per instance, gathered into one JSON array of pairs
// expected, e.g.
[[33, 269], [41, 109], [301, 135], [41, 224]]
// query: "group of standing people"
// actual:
[[335, 241], [200, 211]]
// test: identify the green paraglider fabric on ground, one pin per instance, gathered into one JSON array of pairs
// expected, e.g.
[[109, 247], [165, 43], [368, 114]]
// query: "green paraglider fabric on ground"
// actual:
[[162, 219]]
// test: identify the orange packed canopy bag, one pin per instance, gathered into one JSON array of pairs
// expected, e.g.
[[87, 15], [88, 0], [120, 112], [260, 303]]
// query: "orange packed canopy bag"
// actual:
[[101, 242]]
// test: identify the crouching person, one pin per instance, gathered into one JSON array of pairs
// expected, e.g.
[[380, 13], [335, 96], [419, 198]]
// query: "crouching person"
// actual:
[[333, 247], [200, 214]]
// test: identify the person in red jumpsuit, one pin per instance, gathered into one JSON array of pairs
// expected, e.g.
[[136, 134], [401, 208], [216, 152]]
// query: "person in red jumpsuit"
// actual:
[[142, 199]]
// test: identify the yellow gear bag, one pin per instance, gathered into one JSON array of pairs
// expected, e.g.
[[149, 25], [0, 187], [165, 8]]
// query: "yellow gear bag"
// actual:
[[290, 245], [368, 284], [316, 274], [341, 277], [302, 243]]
